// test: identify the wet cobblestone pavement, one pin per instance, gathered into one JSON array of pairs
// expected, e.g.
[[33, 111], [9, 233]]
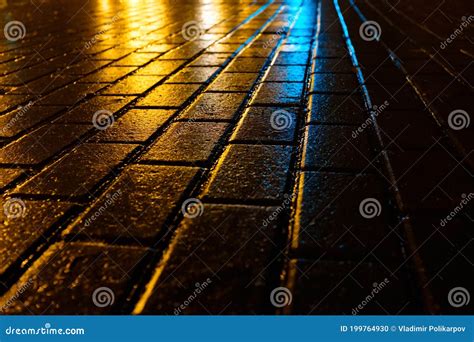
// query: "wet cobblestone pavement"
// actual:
[[236, 157]]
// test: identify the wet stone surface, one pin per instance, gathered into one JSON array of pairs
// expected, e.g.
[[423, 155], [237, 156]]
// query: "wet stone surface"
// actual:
[[262, 149]]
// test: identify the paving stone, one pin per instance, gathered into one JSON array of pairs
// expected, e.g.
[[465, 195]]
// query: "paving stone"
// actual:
[[190, 142], [251, 172], [128, 211], [329, 287], [133, 85], [41, 144], [293, 73], [189, 50], [137, 125], [136, 59], [157, 48], [108, 75], [160, 67], [169, 95], [336, 109], [224, 48], [234, 82], [12, 101], [210, 59], [63, 178], [177, 136], [85, 67], [439, 189], [9, 175], [334, 65], [295, 47], [446, 270], [292, 58], [193, 75], [408, 129], [336, 147], [71, 94], [24, 118], [400, 97], [197, 259], [246, 65], [273, 93], [84, 113], [334, 83], [45, 84], [330, 221], [113, 54], [66, 277], [267, 124], [215, 106], [29, 222]]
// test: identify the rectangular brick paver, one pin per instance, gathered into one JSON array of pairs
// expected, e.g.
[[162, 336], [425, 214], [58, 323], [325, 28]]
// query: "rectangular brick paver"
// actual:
[[278, 147], [63, 178], [94, 265], [133, 212]]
